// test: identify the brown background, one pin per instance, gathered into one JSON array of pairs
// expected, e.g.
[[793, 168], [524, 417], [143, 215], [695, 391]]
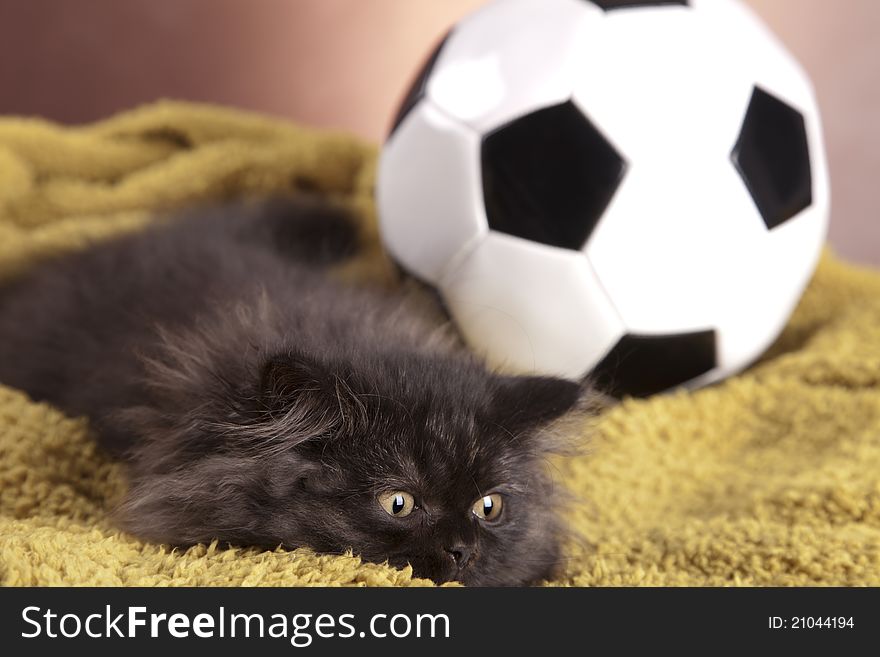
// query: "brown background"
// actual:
[[344, 63]]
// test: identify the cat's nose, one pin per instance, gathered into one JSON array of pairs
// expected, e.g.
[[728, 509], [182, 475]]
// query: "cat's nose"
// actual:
[[460, 554]]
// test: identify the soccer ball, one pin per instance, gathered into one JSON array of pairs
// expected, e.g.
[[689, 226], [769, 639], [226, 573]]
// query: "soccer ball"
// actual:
[[630, 188]]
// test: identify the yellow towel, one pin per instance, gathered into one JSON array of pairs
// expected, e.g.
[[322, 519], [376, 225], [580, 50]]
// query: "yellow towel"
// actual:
[[771, 478]]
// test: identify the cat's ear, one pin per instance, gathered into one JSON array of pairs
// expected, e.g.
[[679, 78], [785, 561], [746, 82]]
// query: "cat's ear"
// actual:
[[302, 398], [521, 403]]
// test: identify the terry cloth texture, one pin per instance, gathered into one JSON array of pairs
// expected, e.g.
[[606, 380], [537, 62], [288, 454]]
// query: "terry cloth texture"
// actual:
[[770, 478]]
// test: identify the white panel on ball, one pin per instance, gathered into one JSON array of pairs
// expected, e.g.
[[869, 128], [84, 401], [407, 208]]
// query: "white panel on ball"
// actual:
[[434, 208], [530, 308], [661, 85], [510, 58], [668, 248], [755, 50], [771, 280]]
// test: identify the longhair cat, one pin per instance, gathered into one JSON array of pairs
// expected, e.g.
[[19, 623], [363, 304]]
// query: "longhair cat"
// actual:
[[258, 401]]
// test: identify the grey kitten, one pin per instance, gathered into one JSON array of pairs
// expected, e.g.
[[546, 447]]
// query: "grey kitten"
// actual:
[[258, 401]]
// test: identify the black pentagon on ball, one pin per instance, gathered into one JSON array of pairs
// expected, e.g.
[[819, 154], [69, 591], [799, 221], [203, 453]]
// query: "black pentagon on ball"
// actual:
[[641, 365], [417, 89], [548, 176], [622, 4], [772, 155]]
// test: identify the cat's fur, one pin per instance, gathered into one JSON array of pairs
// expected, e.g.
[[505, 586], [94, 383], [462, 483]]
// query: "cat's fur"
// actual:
[[259, 402]]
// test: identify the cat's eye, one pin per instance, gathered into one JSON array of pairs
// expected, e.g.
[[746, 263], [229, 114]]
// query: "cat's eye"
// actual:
[[397, 503], [488, 507]]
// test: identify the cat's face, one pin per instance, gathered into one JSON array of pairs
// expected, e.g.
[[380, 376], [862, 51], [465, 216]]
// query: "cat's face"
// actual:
[[456, 501], [437, 465], [451, 481]]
